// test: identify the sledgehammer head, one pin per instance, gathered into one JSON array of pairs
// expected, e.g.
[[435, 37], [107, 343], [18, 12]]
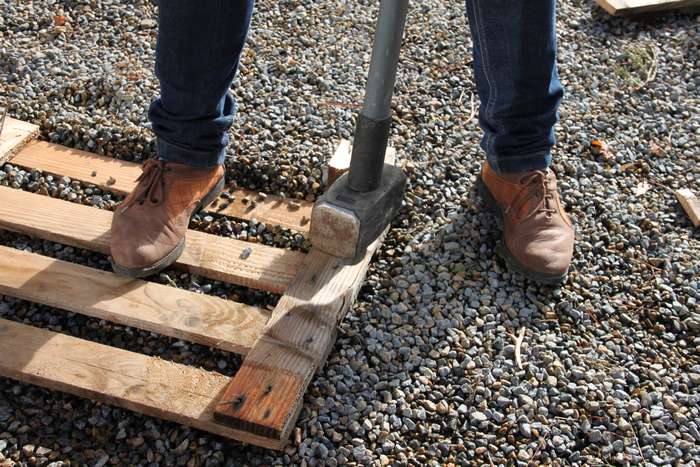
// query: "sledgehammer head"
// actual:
[[345, 222]]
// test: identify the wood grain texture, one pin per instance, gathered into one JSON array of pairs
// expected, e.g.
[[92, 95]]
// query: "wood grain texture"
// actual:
[[203, 319], [631, 7], [266, 394], [691, 205], [148, 385], [120, 177], [215, 257], [15, 135]]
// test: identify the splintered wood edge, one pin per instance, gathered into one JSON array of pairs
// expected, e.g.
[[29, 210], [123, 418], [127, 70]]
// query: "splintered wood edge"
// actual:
[[15, 135], [148, 385], [119, 177]]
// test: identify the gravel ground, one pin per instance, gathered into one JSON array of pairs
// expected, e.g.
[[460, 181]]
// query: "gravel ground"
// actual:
[[424, 370]]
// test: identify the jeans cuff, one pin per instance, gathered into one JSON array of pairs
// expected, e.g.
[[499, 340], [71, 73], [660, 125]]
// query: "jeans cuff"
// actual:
[[201, 159], [522, 163]]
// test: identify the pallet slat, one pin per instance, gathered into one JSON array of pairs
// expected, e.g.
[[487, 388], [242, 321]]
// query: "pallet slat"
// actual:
[[212, 256], [15, 135], [203, 319], [148, 385], [631, 7], [266, 394], [120, 177]]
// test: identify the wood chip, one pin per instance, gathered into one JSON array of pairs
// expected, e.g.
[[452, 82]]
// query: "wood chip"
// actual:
[[691, 204]]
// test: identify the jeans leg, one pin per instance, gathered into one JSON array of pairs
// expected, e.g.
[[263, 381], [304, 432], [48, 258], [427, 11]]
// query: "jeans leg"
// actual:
[[197, 53], [516, 77]]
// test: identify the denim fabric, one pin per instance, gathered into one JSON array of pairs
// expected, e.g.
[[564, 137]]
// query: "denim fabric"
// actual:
[[200, 42], [199, 45], [516, 78]]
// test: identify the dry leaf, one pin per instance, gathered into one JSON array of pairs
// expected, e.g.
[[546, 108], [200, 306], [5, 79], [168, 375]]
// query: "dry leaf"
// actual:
[[642, 188], [59, 20], [656, 150], [599, 148], [133, 76]]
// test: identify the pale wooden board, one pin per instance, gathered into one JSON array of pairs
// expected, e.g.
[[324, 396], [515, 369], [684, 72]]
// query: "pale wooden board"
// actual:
[[691, 205], [631, 7], [199, 318], [220, 258], [120, 178], [148, 385], [339, 163], [14, 136]]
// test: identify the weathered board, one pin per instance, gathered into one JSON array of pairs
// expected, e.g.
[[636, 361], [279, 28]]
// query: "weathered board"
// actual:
[[173, 312], [243, 263], [631, 7], [149, 385]]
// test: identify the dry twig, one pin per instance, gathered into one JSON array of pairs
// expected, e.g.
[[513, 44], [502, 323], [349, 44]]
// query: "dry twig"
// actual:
[[518, 342]]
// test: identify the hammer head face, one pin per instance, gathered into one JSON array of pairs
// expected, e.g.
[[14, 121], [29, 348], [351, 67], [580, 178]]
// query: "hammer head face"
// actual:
[[345, 222]]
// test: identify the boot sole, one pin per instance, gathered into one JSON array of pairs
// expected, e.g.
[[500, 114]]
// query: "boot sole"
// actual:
[[170, 258], [502, 248]]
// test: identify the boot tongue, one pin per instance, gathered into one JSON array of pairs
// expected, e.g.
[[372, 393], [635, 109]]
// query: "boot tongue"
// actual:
[[533, 196], [151, 185]]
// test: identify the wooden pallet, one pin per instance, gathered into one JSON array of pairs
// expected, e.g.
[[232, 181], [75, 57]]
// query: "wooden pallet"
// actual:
[[633, 7], [282, 348]]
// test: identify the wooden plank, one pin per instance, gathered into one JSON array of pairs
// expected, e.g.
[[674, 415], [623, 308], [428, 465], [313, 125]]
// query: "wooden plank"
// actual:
[[215, 257], [120, 177], [148, 385], [15, 135], [631, 7], [339, 163], [691, 205], [173, 312], [266, 394]]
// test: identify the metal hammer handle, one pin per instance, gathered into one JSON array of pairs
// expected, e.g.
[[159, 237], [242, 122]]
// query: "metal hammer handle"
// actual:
[[372, 127]]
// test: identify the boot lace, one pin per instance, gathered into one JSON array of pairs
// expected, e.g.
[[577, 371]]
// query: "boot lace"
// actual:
[[151, 184], [536, 185]]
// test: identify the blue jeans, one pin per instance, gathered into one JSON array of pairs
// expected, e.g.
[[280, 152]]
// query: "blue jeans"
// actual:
[[200, 43]]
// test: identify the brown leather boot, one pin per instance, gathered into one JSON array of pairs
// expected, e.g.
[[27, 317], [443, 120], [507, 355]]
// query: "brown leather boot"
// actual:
[[538, 237], [148, 228]]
